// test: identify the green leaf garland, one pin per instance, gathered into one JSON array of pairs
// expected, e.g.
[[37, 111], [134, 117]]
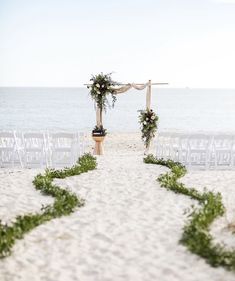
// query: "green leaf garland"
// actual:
[[196, 236], [65, 203]]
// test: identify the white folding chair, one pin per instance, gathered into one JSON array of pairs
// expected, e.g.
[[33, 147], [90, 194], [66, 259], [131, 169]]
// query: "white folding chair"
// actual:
[[166, 145], [199, 150], [222, 155], [159, 146], [63, 149], [183, 148], [81, 144], [34, 150], [174, 146], [9, 150]]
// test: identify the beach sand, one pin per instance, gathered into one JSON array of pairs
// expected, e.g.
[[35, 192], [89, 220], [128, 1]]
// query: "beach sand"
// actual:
[[129, 228]]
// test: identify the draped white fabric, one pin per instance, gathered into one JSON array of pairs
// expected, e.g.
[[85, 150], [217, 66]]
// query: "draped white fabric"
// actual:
[[123, 89], [127, 87], [139, 87]]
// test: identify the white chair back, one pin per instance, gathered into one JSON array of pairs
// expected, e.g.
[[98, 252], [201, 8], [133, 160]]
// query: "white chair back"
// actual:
[[198, 154], [160, 140], [41, 149], [222, 151], [183, 148], [34, 150], [81, 143], [9, 150], [196, 150], [64, 149]]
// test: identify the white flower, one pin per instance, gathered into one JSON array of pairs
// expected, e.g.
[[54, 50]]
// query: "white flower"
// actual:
[[145, 122], [97, 85], [102, 86], [147, 119], [98, 92], [153, 117]]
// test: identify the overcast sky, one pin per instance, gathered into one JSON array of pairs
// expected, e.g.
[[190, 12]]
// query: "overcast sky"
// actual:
[[188, 43]]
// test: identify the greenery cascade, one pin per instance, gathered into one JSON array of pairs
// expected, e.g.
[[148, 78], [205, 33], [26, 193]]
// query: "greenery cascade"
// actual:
[[64, 204], [148, 121], [196, 236], [102, 86]]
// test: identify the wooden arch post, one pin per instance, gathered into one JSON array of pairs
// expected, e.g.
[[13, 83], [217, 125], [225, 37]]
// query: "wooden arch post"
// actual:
[[98, 116], [148, 106], [98, 149], [148, 95]]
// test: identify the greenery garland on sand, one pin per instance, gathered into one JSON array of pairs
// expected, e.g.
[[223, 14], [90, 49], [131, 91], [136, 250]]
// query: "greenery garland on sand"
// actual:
[[101, 87], [65, 203], [196, 236], [148, 120]]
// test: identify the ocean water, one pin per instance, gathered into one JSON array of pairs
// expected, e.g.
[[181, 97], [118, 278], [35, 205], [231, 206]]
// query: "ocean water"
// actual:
[[72, 109]]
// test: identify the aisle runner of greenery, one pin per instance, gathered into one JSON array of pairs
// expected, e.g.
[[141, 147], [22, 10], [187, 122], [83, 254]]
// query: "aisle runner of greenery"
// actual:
[[65, 203], [196, 236]]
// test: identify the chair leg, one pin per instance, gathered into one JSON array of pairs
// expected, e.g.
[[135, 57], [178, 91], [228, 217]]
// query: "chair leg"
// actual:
[[19, 156]]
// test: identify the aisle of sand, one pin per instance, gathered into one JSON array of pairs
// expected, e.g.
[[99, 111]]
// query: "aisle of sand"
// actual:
[[128, 229]]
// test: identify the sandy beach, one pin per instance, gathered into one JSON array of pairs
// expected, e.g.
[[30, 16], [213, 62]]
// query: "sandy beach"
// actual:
[[76, 73], [129, 228]]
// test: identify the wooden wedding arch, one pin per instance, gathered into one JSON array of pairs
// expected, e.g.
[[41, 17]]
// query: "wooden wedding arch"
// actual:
[[122, 88]]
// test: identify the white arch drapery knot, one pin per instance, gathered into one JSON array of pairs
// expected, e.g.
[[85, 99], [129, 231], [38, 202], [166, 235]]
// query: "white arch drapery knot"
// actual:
[[128, 86]]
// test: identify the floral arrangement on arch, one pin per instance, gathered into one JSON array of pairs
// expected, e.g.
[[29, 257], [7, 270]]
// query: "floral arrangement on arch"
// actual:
[[148, 120], [101, 87]]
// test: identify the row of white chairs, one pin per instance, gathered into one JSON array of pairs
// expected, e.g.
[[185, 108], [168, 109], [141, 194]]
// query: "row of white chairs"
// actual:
[[40, 149], [196, 150]]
